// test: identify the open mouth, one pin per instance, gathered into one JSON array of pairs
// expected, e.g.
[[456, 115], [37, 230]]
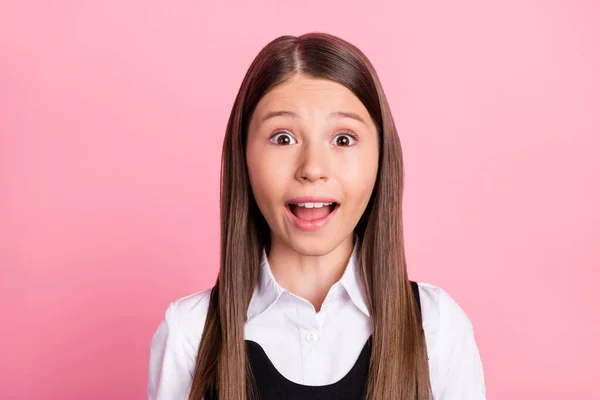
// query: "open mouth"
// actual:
[[312, 211]]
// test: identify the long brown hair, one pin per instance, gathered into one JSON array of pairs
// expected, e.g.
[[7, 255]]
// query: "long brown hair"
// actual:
[[398, 365]]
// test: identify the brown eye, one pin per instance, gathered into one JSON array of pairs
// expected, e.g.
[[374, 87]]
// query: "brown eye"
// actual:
[[283, 139], [344, 140]]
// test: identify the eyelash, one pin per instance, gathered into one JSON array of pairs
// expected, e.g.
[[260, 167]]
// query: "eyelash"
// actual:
[[345, 133]]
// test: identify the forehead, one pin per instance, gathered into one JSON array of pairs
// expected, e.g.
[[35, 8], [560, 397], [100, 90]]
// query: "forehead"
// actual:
[[310, 97]]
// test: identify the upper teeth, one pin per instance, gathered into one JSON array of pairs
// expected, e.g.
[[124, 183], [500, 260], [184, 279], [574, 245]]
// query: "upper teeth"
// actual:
[[313, 205]]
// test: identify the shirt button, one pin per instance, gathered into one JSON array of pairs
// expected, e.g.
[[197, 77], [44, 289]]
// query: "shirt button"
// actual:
[[312, 337]]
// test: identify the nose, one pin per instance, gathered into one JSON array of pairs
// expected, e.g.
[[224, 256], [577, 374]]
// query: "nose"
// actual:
[[314, 163]]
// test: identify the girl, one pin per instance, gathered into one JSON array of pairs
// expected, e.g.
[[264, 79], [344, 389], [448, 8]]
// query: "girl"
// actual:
[[313, 300]]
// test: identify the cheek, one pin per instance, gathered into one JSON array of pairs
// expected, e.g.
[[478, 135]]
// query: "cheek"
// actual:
[[268, 177], [359, 179]]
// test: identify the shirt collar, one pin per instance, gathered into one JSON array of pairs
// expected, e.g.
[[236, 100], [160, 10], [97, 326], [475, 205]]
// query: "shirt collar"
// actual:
[[267, 291], [352, 279]]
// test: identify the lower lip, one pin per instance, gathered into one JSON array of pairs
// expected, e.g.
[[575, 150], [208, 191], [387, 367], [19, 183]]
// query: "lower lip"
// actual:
[[311, 226]]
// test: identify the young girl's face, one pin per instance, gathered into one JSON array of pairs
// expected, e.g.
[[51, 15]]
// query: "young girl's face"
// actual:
[[311, 142]]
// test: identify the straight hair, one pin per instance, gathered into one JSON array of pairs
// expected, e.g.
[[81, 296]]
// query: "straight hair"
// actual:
[[398, 366]]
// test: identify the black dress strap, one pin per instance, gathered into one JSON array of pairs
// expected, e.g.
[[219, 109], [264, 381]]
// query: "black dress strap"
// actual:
[[415, 289]]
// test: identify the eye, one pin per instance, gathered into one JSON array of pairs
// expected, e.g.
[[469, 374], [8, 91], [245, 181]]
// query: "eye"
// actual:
[[283, 139], [345, 139]]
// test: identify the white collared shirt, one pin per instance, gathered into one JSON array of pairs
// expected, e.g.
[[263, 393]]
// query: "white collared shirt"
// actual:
[[317, 348]]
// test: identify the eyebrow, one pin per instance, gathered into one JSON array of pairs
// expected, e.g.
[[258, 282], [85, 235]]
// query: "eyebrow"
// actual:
[[336, 114]]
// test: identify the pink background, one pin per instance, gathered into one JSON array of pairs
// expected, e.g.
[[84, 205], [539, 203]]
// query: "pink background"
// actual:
[[112, 116]]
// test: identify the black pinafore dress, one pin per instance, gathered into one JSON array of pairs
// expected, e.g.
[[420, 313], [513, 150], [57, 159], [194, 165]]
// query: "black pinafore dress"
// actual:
[[271, 385]]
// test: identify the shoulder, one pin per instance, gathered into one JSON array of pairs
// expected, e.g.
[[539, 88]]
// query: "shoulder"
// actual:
[[441, 311], [174, 347], [454, 361], [187, 315], [191, 306]]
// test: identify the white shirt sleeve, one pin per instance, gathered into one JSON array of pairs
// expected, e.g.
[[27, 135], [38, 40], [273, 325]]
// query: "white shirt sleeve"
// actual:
[[459, 367]]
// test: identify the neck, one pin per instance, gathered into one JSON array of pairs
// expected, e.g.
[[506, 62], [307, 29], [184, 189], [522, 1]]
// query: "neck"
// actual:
[[308, 276]]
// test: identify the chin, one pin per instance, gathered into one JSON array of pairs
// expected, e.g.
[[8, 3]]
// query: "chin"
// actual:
[[313, 245]]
